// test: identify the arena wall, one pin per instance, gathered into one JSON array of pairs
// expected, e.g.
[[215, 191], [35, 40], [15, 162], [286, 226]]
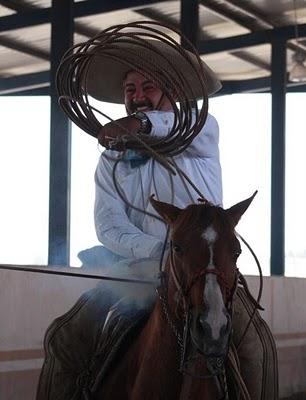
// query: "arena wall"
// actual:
[[29, 302]]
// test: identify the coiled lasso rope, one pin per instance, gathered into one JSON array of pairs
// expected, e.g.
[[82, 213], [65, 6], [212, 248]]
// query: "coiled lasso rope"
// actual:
[[138, 39]]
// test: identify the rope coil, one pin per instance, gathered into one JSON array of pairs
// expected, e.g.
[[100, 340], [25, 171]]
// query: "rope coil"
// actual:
[[139, 45]]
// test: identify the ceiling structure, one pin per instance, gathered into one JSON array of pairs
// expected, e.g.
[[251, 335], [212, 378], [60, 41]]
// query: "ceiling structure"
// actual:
[[233, 36]]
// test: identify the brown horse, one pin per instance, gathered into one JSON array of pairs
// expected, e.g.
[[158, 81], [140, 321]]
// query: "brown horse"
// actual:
[[181, 350]]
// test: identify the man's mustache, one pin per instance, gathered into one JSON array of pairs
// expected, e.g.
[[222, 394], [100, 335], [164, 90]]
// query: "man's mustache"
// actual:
[[140, 104]]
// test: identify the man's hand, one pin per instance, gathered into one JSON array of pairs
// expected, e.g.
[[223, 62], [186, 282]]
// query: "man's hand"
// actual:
[[113, 135]]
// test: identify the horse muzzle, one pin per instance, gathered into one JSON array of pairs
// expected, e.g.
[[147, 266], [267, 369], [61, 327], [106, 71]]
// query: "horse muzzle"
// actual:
[[204, 338]]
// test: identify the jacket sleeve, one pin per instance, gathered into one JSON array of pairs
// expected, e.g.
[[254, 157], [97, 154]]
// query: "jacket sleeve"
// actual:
[[113, 227], [204, 145]]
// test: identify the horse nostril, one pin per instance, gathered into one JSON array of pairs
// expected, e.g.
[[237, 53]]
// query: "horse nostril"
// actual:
[[202, 322], [199, 324], [228, 326]]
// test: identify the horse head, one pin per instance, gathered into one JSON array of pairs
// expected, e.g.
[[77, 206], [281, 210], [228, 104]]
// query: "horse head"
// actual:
[[201, 271]]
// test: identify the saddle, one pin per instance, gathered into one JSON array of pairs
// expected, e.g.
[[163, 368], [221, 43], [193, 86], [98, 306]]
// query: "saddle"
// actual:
[[82, 345]]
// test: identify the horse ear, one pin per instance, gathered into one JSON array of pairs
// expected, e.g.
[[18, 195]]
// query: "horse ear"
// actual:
[[168, 212], [236, 211]]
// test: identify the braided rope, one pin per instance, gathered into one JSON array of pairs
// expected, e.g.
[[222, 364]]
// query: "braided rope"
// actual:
[[74, 99]]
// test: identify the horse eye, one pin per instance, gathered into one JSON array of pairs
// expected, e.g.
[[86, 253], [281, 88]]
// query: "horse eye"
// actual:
[[177, 248], [237, 254]]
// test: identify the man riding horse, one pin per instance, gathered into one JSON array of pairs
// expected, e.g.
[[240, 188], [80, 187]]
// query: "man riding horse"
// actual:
[[124, 216], [131, 235]]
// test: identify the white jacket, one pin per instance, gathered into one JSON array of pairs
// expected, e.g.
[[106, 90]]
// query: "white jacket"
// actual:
[[130, 233]]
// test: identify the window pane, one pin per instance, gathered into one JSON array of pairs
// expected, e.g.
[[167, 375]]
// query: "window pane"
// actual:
[[24, 171], [84, 158], [85, 155], [295, 233], [245, 134]]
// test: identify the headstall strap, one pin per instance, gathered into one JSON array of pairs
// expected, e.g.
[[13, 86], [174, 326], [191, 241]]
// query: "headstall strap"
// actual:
[[232, 292], [215, 366], [226, 290], [211, 270], [182, 293]]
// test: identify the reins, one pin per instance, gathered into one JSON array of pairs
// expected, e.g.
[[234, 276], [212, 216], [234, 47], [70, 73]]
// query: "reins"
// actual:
[[242, 280], [216, 369], [215, 366], [54, 271]]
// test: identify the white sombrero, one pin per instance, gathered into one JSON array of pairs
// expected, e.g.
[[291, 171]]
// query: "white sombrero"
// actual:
[[108, 66]]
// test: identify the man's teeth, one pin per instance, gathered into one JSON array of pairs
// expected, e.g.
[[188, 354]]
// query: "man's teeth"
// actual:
[[143, 108]]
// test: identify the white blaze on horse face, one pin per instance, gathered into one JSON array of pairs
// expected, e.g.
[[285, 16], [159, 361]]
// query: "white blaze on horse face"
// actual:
[[210, 235], [216, 312], [215, 315]]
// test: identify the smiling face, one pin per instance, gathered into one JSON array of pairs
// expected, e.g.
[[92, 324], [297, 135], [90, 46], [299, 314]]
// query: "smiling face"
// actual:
[[143, 94]]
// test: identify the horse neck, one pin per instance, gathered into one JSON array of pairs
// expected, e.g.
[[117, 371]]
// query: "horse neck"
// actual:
[[158, 323], [158, 346], [158, 335], [161, 338], [164, 326]]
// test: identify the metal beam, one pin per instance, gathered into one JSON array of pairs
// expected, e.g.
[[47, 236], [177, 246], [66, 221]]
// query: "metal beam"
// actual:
[[200, 35], [21, 6], [189, 24], [92, 7], [84, 30], [301, 88], [250, 58], [249, 39], [245, 86], [41, 16], [248, 22], [40, 91], [248, 12], [278, 153], [157, 15], [258, 85], [196, 33], [18, 45], [26, 19], [24, 82], [60, 146], [242, 18], [25, 48], [80, 9], [40, 81], [16, 5], [258, 20], [240, 54]]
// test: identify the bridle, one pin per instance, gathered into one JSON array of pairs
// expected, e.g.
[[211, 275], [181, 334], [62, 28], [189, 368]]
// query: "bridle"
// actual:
[[226, 289], [215, 365]]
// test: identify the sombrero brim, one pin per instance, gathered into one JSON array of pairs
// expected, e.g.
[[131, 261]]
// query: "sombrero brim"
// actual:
[[108, 67]]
